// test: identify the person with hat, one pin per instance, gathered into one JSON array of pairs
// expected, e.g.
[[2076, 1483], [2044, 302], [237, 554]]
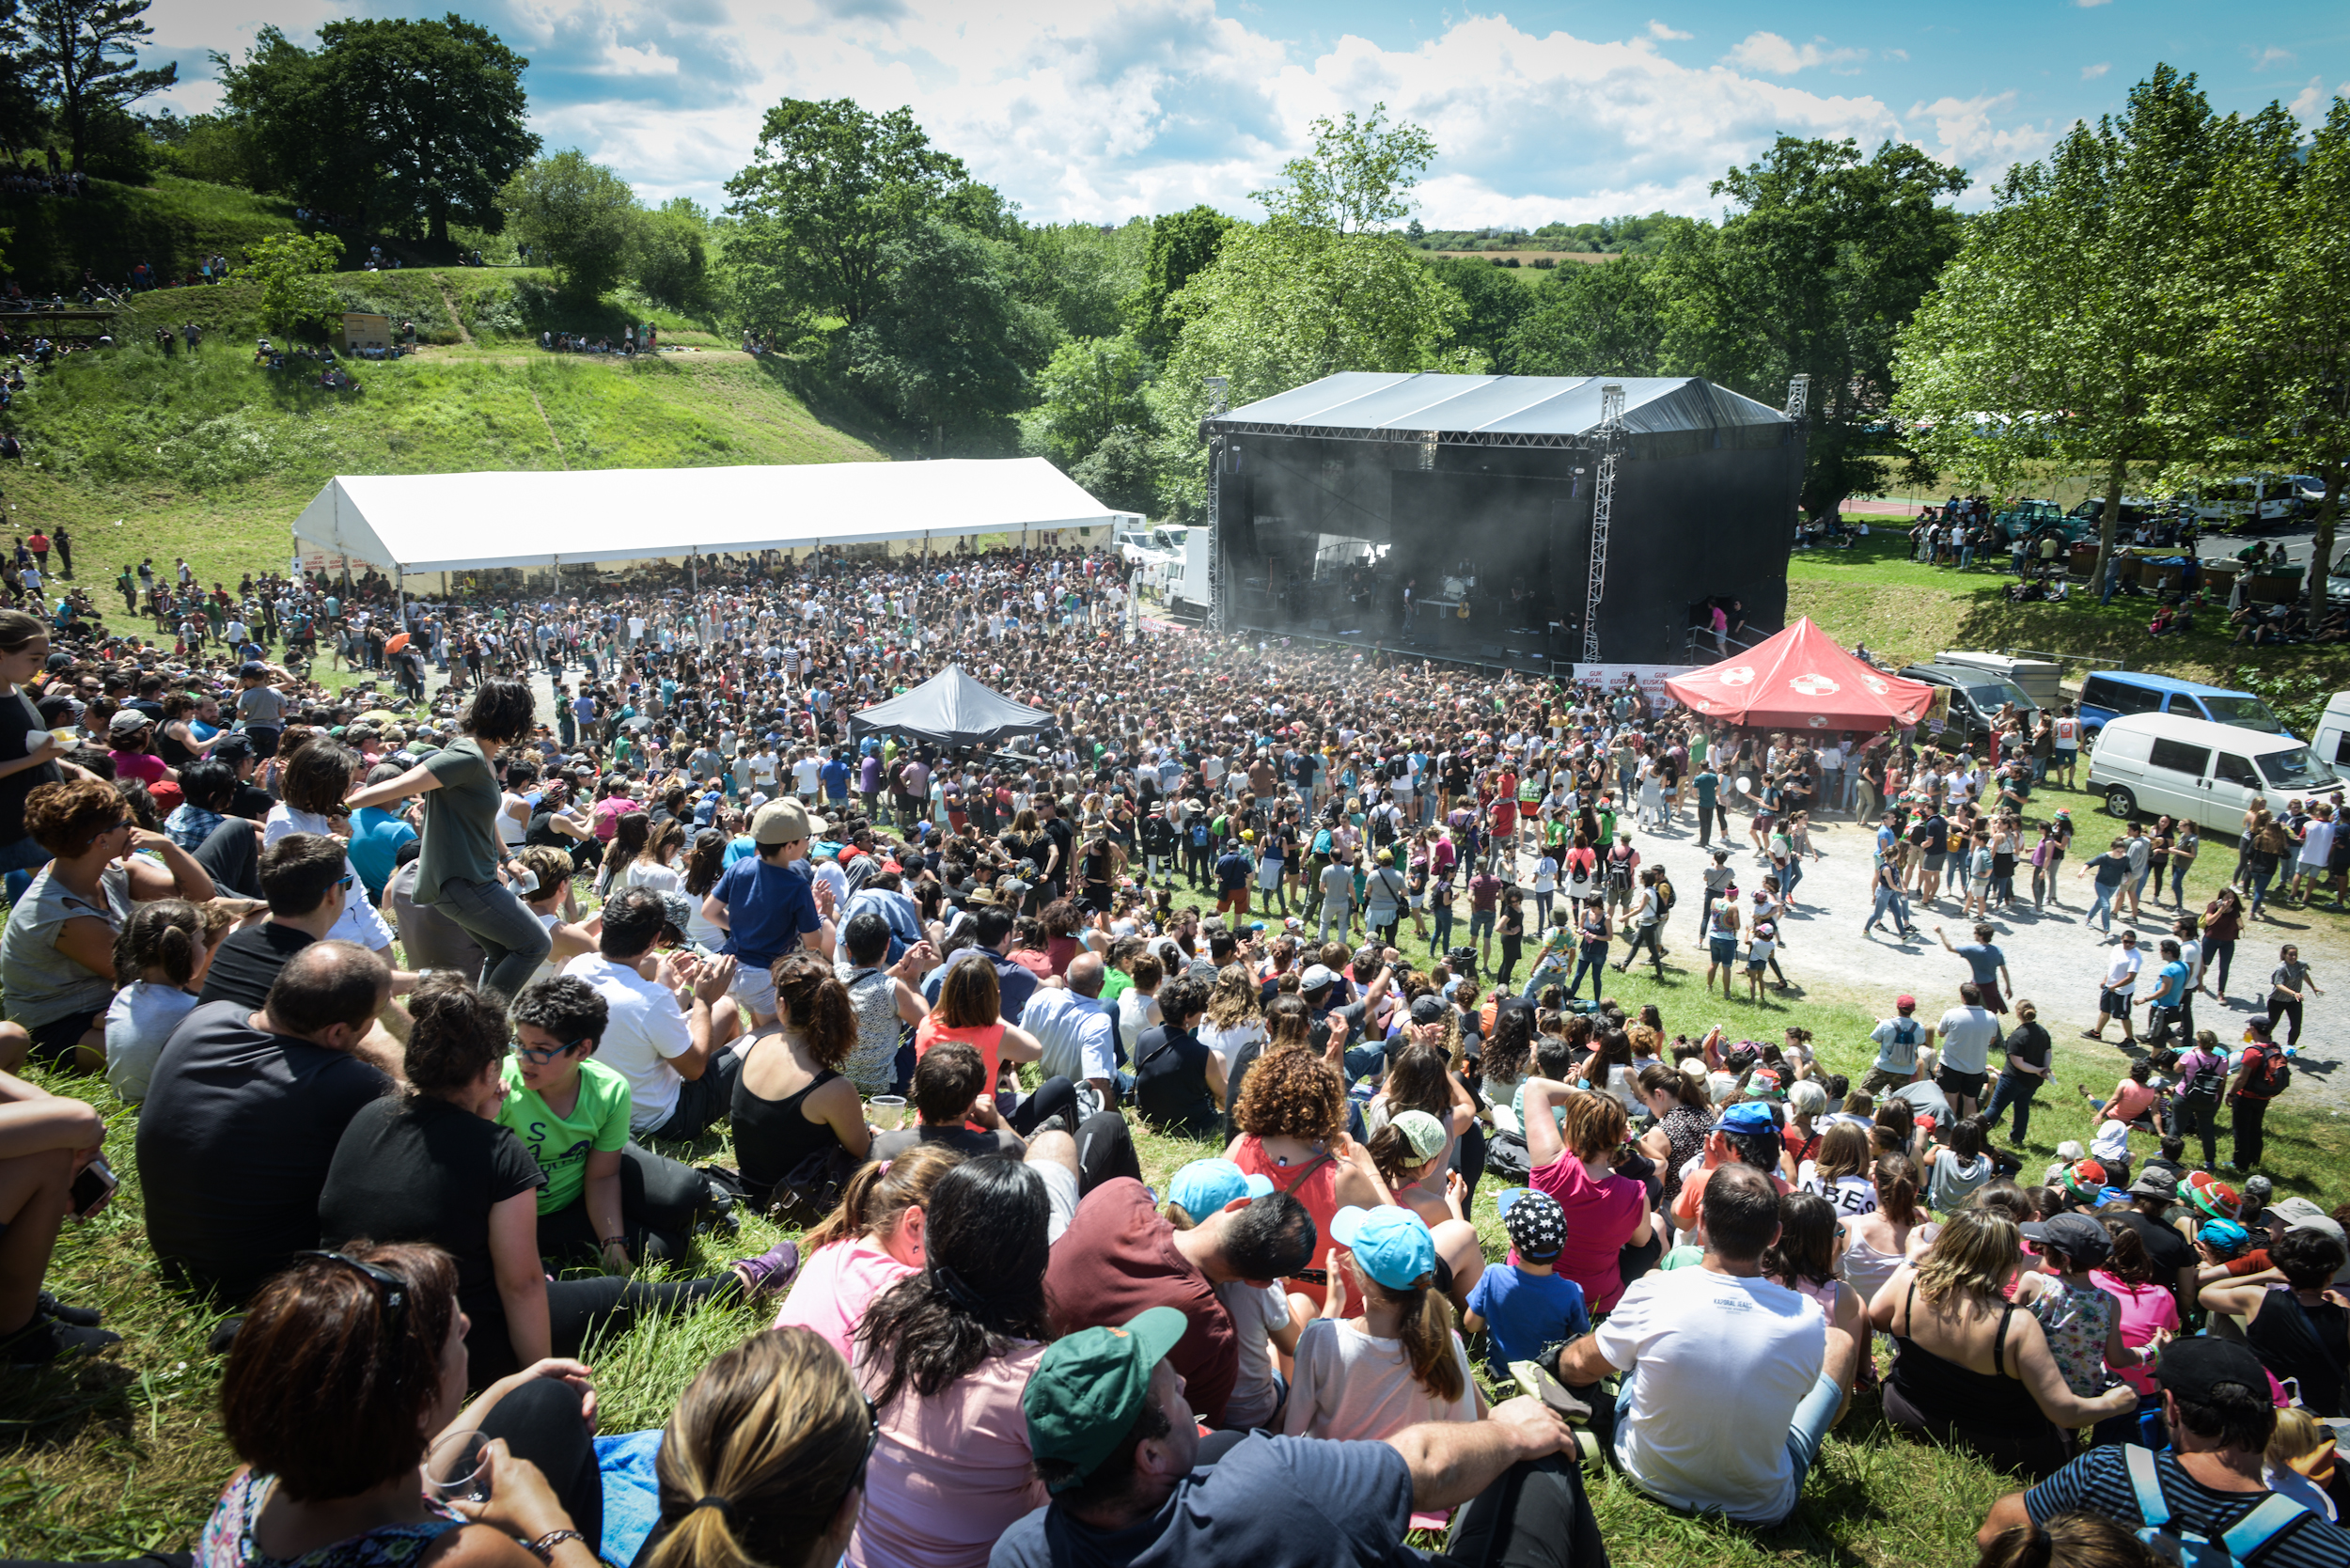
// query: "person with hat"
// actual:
[[2209, 1485], [1398, 1364], [1262, 1320], [1527, 1306], [767, 905], [2081, 1319], [1130, 1477], [1900, 1039]]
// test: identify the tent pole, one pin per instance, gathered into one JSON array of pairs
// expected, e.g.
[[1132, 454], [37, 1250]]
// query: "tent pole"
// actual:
[[694, 568]]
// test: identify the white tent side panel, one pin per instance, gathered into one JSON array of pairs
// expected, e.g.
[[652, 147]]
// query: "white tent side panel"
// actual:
[[419, 522]]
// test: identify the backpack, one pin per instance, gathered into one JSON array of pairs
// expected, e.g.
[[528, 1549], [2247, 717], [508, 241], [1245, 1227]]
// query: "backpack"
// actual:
[[1199, 831], [2270, 1076], [1383, 826], [1665, 898], [2248, 1535], [1619, 871], [2205, 1082]]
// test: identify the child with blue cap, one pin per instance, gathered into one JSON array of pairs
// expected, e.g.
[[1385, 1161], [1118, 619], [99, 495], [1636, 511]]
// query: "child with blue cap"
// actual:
[[1399, 1363], [1264, 1317], [1526, 1307]]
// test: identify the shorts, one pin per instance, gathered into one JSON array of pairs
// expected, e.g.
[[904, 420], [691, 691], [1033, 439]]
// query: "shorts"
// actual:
[[1723, 949], [1951, 1081], [53, 1043], [755, 988], [1060, 1197], [2114, 1003], [1882, 1079], [1991, 1000], [1757, 962]]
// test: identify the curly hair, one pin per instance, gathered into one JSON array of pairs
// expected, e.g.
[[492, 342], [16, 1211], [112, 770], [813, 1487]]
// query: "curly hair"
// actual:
[[1291, 1091]]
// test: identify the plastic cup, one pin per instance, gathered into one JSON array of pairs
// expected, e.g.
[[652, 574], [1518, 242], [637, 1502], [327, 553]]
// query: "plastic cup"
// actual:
[[457, 1467], [66, 735], [887, 1112]]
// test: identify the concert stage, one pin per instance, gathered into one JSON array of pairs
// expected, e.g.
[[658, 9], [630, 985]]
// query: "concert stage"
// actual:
[[1571, 526]]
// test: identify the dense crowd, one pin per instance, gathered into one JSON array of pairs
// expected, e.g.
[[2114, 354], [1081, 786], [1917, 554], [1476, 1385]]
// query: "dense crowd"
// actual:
[[425, 985]]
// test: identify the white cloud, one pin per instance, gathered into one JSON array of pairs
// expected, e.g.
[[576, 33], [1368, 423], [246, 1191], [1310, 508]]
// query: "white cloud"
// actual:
[[1666, 34], [2310, 104], [1770, 53], [2269, 56], [1102, 109], [2092, 5], [2090, 73], [1894, 54]]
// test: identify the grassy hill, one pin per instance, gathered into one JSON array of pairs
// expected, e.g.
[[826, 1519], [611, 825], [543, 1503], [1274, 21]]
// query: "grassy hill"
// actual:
[[211, 456], [167, 225]]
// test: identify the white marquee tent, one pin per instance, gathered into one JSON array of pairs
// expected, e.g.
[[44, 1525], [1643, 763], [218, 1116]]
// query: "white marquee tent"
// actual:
[[426, 522]]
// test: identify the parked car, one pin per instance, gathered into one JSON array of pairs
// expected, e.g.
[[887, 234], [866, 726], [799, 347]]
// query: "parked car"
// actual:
[[2027, 517], [2115, 693], [1975, 697], [2251, 501], [2144, 763]]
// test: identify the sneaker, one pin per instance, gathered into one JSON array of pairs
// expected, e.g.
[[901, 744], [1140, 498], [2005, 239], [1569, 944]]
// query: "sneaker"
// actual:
[[771, 1272], [45, 1340], [79, 1317]]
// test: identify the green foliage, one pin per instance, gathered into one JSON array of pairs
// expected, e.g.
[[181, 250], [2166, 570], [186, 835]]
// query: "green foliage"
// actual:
[[290, 269], [1828, 259], [1121, 472], [82, 57], [1181, 244], [1493, 305], [413, 124], [826, 208], [953, 348], [2069, 324], [1091, 387], [1606, 320], [580, 218], [1359, 176], [1626, 236], [1083, 274], [671, 260], [212, 147]]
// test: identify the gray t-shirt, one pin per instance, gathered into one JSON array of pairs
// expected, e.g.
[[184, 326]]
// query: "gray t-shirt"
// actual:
[[262, 708], [1338, 885], [1967, 1035], [1899, 1041], [42, 984]]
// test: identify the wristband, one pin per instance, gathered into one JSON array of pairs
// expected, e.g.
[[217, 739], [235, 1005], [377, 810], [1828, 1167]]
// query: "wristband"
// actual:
[[613, 1241], [543, 1548]]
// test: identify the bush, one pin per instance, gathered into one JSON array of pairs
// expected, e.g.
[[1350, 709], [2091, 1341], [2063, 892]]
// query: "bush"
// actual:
[[1545, 262], [1509, 260]]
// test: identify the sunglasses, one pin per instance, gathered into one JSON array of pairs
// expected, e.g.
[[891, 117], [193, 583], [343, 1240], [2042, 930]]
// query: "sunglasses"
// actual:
[[392, 1291], [537, 1057]]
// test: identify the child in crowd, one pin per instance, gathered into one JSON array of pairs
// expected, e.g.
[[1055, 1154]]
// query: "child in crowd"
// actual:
[[1264, 1318], [2082, 1320], [1526, 1307], [1398, 1364], [163, 944]]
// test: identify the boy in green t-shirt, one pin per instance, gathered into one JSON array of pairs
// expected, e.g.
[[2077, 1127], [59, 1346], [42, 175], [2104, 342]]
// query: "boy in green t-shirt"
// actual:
[[606, 1197]]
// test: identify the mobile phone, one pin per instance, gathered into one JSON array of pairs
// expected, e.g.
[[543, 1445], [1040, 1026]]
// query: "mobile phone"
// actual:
[[1311, 1276], [93, 1187], [1537, 1384]]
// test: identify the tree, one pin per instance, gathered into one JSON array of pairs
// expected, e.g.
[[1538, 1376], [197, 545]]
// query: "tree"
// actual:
[[1181, 244], [291, 270], [1601, 319], [671, 261], [83, 54], [1082, 273], [1828, 259], [1492, 302], [1121, 472], [1359, 176], [582, 217], [413, 124], [1091, 388], [831, 196], [2061, 330], [952, 349]]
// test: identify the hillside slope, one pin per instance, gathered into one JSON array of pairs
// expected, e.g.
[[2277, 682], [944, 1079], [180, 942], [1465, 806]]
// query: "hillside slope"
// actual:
[[209, 456]]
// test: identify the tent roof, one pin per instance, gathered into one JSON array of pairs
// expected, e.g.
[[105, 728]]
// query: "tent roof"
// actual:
[[951, 708], [1800, 678], [1358, 403], [458, 522]]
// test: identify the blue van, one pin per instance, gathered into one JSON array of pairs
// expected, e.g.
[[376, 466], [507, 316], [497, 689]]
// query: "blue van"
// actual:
[[2109, 694]]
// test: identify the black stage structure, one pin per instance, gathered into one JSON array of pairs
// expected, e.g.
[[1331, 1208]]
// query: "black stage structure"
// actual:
[[1576, 518]]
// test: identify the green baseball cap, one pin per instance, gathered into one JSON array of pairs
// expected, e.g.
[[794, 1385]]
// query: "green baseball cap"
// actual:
[[1085, 1392]]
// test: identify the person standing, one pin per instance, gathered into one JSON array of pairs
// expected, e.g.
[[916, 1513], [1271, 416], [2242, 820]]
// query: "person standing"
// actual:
[[2027, 1068], [1968, 1031], [2117, 995], [2289, 985], [2261, 1075], [1987, 965]]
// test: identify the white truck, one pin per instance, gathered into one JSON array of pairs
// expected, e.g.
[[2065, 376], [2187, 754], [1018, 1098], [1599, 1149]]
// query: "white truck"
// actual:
[[1186, 591]]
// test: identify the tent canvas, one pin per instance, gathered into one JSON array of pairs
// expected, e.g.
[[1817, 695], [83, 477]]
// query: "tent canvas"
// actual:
[[419, 523], [1799, 679], [951, 709]]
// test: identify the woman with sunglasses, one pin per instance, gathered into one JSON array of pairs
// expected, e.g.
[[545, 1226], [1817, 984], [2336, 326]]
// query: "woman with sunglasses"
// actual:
[[57, 952], [764, 1460], [434, 1164], [347, 1372]]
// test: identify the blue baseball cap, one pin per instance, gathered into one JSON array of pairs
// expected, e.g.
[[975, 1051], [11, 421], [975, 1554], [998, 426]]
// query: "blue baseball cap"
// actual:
[[1204, 1186], [1392, 1243], [1748, 1116]]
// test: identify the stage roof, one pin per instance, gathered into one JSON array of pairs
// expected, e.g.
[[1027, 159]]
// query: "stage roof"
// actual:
[[1491, 410], [462, 522]]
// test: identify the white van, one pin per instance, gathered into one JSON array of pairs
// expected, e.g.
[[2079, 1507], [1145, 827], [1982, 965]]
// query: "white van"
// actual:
[[2332, 741], [2149, 763]]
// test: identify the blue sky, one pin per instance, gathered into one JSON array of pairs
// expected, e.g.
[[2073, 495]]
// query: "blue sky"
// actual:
[[1102, 109]]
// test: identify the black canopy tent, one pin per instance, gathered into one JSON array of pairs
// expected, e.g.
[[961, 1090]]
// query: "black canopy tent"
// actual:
[[951, 709]]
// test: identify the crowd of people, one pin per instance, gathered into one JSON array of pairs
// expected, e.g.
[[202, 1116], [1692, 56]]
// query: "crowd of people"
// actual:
[[427, 1003]]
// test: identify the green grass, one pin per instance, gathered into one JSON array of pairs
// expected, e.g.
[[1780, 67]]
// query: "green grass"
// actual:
[[169, 224]]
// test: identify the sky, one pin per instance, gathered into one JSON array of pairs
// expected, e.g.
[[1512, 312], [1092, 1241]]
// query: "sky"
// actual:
[[1100, 110]]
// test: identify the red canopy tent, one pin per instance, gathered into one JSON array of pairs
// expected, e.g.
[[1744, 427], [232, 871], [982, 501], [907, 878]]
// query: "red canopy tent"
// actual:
[[1799, 679]]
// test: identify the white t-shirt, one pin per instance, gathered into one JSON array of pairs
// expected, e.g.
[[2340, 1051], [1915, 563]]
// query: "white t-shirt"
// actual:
[[806, 774], [1256, 1311], [647, 1030], [1351, 1387], [139, 1021], [2122, 975], [1718, 1365]]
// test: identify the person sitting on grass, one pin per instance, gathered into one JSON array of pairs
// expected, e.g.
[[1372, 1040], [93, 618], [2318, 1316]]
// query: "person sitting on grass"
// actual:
[[1527, 1306], [46, 1142], [870, 1242], [607, 1199], [671, 1022], [2211, 1482]]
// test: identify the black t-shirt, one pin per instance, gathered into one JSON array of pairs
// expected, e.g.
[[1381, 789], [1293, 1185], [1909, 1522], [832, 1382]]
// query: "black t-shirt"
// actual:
[[21, 731], [2028, 1042], [419, 1170], [250, 802], [2166, 1248], [970, 1142], [235, 1137], [1171, 1082], [247, 963]]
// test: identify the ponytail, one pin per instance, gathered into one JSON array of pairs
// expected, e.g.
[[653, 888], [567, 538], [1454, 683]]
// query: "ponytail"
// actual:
[[1426, 1332], [878, 1194], [167, 934], [818, 1005], [1897, 1188]]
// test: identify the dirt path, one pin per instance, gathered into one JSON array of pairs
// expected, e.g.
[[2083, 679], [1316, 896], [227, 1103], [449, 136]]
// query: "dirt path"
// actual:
[[456, 318]]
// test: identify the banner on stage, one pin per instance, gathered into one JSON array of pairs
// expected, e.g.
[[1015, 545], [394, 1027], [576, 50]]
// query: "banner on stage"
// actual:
[[1652, 677]]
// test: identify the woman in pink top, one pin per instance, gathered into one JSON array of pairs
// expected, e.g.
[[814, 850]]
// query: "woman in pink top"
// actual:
[[2147, 1308], [867, 1244], [2133, 1097], [1574, 1164], [945, 1355], [970, 1008]]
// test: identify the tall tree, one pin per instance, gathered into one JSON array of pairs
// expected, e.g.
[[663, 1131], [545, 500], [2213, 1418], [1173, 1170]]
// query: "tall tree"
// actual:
[[2060, 330], [83, 54], [1359, 176], [1828, 255], [952, 349], [582, 217], [291, 271], [1601, 320], [1494, 302], [831, 195], [407, 124], [1181, 244], [1091, 387], [671, 260]]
